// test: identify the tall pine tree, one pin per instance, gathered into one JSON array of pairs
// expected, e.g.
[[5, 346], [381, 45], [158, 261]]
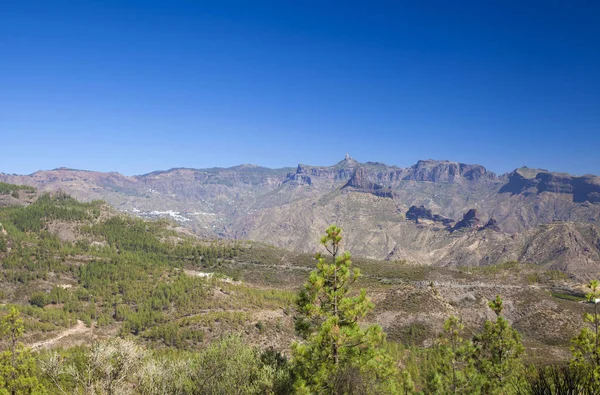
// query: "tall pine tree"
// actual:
[[338, 356], [498, 351], [586, 346], [17, 366], [454, 371]]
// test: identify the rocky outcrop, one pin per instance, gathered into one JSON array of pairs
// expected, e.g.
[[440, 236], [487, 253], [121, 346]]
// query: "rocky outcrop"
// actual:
[[553, 182], [298, 179], [309, 175], [583, 189], [359, 182], [383, 180], [446, 171], [324, 172], [586, 188], [469, 221], [492, 224], [415, 213], [518, 182]]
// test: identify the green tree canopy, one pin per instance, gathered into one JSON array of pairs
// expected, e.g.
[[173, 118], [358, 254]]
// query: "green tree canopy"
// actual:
[[585, 347], [17, 366], [454, 371], [498, 351], [338, 356]]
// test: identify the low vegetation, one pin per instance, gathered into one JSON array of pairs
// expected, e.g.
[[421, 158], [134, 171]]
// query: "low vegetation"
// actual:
[[171, 318], [12, 189]]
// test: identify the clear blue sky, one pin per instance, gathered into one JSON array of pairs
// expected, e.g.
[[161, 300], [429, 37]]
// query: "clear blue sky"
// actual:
[[135, 86]]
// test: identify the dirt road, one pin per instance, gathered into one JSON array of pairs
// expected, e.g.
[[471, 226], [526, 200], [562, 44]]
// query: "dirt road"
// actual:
[[79, 328]]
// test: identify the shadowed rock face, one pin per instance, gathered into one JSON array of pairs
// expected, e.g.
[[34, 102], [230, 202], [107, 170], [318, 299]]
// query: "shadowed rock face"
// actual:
[[469, 221], [415, 213], [549, 182], [585, 188], [492, 224], [299, 179], [518, 183], [319, 176], [361, 183]]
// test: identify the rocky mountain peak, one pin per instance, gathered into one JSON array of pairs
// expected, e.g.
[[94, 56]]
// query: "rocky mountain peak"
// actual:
[[527, 172], [347, 162]]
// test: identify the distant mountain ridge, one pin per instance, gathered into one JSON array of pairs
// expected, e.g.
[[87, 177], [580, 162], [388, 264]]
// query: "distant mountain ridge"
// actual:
[[288, 207], [408, 186]]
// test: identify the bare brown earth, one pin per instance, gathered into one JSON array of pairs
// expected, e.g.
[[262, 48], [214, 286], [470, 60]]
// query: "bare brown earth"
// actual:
[[79, 330]]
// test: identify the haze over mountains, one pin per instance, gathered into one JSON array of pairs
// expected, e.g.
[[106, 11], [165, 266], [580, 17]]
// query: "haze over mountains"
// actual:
[[469, 215]]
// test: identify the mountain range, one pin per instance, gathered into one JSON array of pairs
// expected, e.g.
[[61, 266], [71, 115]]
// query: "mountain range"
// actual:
[[435, 212]]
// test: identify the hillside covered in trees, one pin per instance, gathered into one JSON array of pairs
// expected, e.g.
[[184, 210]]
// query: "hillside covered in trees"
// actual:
[[94, 301]]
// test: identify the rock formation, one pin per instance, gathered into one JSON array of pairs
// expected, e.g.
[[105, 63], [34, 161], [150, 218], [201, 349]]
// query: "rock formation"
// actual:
[[360, 183], [492, 224], [415, 213], [584, 188], [446, 171], [469, 221]]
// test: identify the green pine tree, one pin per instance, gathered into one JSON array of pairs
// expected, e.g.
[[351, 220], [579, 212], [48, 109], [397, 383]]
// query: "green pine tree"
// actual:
[[455, 371], [338, 356], [498, 351], [17, 366], [586, 346]]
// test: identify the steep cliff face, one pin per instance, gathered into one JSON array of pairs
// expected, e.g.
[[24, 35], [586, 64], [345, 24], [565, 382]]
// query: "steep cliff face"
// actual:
[[323, 176], [298, 179], [519, 181], [446, 171], [374, 176], [329, 173], [585, 188], [361, 183]]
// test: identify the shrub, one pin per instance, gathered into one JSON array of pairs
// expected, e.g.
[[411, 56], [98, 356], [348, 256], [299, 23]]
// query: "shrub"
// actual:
[[38, 299]]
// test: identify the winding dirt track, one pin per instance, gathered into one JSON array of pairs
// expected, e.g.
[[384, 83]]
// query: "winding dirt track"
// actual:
[[79, 328]]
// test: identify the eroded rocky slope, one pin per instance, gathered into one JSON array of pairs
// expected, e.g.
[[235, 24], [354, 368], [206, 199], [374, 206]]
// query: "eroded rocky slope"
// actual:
[[462, 215]]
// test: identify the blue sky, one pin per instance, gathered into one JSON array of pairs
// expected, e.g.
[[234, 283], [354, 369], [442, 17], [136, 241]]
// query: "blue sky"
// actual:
[[136, 86]]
